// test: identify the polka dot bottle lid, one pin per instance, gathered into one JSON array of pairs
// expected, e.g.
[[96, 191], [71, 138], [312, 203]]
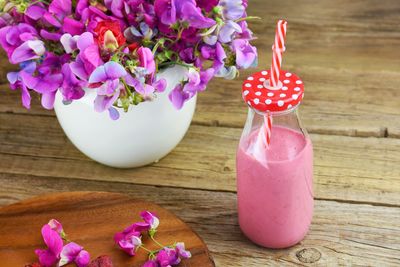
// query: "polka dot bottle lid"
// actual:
[[260, 96]]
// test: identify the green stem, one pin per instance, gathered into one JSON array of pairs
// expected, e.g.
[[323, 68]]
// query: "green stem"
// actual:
[[248, 18], [155, 241], [127, 88]]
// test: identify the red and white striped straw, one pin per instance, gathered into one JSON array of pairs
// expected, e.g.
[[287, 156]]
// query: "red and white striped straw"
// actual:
[[264, 137], [277, 50], [266, 129]]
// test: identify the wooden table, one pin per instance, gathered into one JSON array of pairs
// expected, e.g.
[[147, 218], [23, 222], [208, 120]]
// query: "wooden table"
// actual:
[[348, 54]]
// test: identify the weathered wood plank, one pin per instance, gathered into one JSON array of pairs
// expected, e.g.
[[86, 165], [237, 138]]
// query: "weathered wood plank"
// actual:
[[348, 59], [341, 234], [346, 168]]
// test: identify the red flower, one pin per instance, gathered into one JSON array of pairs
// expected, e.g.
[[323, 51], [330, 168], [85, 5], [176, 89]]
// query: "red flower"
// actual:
[[109, 25], [133, 46]]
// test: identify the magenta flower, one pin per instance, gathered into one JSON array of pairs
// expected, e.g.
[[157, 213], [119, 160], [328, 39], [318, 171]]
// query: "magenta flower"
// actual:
[[178, 96], [29, 50], [88, 58], [168, 257], [130, 239], [169, 11], [24, 38], [58, 10], [197, 81], [150, 218], [72, 88], [46, 80], [146, 59], [50, 256], [17, 82], [72, 252], [106, 79]]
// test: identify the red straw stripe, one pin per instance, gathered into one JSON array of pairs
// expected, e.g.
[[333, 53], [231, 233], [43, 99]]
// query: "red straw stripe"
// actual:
[[277, 49]]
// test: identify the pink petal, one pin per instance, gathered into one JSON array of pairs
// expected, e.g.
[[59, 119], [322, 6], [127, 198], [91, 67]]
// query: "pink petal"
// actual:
[[56, 225], [52, 239], [83, 259], [48, 102], [114, 70], [69, 253], [46, 257], [98, 75]]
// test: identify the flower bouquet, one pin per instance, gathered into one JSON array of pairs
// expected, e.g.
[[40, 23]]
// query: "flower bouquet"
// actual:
[[116, 49]]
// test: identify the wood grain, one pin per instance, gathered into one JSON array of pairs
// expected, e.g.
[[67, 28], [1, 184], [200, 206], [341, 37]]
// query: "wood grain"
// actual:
[[91, 219], [346, 168], [341, 234]]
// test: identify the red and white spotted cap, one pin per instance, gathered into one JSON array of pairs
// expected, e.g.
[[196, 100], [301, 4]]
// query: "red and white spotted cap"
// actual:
[[260, 96]]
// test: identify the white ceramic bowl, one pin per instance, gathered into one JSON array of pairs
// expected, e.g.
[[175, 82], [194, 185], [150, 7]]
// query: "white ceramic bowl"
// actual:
[[141, 136]]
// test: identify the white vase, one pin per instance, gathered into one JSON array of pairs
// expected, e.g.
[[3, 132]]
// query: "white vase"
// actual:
[[143, 135]]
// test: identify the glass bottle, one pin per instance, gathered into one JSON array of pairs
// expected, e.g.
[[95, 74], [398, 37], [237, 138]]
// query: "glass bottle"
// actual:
[[274, 182]]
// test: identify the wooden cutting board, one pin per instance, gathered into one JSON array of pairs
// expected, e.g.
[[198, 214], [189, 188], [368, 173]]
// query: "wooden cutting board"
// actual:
[[90, 219]]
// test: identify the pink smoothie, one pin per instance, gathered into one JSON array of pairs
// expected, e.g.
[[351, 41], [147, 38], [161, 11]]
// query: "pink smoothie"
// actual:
[[275, 198]]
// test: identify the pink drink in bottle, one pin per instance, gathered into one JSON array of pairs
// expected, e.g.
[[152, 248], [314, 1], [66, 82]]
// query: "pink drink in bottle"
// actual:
[[274, 163]]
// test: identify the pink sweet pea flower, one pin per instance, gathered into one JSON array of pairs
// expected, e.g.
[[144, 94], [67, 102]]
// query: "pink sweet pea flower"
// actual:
[[130, 240], [150, 218], [50, 256], [72, 252], [146, 59]]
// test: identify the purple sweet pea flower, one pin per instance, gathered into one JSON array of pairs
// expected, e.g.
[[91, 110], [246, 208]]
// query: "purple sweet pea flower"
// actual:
[[17, 82], [116, 7], [194, 17], [216, 54], [71, 88], [36, 11], [88, 58], [32, 49], [182, 252], [166, 11], [72, 252], [178, 96], [69, 42], [47, 81], [143, 89], [232, 9], [246, 54], [246, 33], [169, 11], [12, 37], [58, 10], [52, 36], [73, 26], [228, 30], [198, 81], [107, 77], [50, 256]]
